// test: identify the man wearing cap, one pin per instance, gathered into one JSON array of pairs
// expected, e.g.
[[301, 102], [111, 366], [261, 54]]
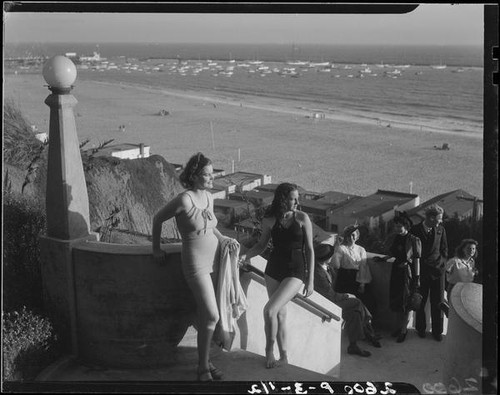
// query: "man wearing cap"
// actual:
[[432, 263], [356, 316]]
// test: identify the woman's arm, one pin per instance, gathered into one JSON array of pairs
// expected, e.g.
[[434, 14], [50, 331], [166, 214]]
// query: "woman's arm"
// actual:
[[307, 226], [337, 258], [261, 244], [364, 275], [172, 208]]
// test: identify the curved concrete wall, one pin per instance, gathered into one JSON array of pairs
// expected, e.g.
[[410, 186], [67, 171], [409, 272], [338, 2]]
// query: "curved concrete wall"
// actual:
[[464, 339], [130, 311]]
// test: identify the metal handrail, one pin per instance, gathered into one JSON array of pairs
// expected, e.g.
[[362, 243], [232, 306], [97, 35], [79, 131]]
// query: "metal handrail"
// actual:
[[324, 313]]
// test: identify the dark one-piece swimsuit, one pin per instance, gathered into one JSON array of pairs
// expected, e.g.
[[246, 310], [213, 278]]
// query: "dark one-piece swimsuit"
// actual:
[[287, 258]]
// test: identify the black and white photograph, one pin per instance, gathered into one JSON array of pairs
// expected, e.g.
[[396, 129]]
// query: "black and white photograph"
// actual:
[[255, 198]]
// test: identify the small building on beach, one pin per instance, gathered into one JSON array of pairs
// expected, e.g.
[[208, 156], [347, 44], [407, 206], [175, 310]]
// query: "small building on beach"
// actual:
[[123, 151], [229, 211], [456, 204], [373, 210], [256, 198]]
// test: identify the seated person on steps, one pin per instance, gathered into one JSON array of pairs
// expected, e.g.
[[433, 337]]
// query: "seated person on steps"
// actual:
[[356, 316]]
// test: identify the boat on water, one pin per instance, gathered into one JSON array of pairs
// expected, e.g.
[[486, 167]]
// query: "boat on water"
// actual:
[[297, 63], [394, 72], [319, 64], [438, 66]]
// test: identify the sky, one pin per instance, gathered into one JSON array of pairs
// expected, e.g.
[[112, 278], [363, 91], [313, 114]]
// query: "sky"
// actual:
[[439, 24]]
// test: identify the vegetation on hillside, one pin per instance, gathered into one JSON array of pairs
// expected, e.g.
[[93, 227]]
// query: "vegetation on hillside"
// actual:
[[20, 144]]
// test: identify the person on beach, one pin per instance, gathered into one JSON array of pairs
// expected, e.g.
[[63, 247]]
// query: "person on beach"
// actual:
[[432, 263], [357, 318], [405, 273], [461, 268], [194, 214], [353, 272], [290, 265]]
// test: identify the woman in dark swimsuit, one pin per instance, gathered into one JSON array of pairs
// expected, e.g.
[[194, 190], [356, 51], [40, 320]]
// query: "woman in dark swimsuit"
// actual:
[[290, 265]]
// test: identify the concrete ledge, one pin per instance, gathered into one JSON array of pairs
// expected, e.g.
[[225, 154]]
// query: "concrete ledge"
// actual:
[[128, 249]]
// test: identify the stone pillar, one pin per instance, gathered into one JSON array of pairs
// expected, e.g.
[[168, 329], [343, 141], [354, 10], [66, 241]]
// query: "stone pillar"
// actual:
[[67, 204]]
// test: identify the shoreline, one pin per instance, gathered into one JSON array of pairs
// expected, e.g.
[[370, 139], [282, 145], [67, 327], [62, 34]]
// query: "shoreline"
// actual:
[[373, 118]]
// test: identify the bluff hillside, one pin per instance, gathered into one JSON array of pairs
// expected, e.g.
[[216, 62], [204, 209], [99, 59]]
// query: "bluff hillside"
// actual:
[[123, 195]]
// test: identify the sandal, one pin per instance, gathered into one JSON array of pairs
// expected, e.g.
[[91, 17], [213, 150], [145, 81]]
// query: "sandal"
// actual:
[[215, 372], [205, 375]]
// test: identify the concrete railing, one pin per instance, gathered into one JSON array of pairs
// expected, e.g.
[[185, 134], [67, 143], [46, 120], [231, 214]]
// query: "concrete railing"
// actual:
[[124, 310]]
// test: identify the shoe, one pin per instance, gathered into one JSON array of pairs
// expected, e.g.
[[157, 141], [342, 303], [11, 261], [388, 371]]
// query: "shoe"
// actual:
[[401, 338], [215, 372], [355, 350], [205, 375], [421, 334], [396, 333], [437, 336]]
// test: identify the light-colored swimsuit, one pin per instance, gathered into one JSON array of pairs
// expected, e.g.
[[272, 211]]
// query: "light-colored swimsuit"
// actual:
[[199, 243]]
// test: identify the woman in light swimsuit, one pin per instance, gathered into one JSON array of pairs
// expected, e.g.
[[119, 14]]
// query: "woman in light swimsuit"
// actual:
[[290, 265], [194, 214]]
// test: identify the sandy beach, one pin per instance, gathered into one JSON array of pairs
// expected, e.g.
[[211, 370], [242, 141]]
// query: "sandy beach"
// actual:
[[347, 151]]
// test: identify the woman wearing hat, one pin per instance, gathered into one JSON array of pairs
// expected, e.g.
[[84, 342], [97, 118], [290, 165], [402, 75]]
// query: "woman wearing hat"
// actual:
[[353, 272], [290, 266], [357, 318], [406, 249]]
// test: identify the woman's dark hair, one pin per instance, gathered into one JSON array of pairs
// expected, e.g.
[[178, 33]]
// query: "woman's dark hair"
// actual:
[[279, 205], [193, 168], [403, 219], [459, 251]]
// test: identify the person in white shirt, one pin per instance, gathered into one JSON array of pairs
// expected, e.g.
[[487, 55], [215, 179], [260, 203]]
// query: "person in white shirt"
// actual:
[[353, 272]]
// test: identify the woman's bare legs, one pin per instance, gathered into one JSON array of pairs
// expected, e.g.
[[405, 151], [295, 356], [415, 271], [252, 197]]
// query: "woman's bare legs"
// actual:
[[207, 317], [275, 315]]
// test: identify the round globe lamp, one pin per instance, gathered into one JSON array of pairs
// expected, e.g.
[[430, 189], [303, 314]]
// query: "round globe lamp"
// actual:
[[60, 73]]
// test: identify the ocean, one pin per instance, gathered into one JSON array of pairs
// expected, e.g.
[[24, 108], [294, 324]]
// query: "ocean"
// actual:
[[419, 98], [462, 56]]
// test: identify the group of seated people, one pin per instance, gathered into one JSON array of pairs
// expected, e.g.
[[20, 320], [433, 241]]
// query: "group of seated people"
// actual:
[[343, 276]]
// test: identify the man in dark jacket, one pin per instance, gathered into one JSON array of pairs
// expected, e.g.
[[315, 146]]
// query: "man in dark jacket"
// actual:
[[356, 316], [432, 262]]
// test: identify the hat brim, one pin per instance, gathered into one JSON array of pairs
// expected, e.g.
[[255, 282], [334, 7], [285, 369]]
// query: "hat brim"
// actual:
[[323, 258]]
